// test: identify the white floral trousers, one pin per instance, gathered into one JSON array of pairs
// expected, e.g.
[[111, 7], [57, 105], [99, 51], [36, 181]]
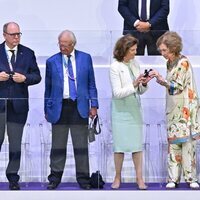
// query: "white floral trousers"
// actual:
[[182, 157]]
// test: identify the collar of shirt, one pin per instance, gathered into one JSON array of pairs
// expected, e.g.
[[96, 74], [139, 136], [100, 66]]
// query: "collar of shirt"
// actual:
[[9, 53], [66, 83], [72, 58], [148, 8]]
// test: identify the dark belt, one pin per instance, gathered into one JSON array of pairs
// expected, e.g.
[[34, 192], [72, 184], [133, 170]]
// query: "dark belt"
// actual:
[[69, 101]]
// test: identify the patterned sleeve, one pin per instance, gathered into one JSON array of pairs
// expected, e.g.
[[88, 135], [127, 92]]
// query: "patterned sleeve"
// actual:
[[180, 77]]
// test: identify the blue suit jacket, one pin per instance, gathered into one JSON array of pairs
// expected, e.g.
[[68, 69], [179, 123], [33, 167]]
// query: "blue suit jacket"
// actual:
[[159, 10], [25, 64], [54, 84]]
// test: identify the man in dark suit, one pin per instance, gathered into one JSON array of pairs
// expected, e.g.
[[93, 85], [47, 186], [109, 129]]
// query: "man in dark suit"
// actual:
[[70, 98], [146, 21], [18, 70]]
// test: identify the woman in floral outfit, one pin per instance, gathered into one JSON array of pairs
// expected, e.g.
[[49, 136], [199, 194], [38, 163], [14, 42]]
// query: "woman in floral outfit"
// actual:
[[181, 111]]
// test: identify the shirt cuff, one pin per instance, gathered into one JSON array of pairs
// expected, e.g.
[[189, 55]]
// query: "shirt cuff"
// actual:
[[136, 22]]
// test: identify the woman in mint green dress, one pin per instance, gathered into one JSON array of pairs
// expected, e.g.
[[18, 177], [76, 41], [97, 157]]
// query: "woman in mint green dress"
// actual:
[[127, 84]]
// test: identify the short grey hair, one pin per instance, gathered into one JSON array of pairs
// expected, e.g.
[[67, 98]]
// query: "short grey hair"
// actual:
[[71, 34]]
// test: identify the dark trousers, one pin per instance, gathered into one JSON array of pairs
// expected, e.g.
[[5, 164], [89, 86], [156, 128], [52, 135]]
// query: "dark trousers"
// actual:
[[14, 123], [69, 119], [146, 40]]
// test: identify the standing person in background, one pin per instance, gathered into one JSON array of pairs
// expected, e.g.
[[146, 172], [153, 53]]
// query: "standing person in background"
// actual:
[[70, 98], [18, 70], [146, 20], [127, 84], [182, 107]]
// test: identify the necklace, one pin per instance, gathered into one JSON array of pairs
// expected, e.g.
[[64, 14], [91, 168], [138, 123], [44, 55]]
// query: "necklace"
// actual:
[[172, 64]]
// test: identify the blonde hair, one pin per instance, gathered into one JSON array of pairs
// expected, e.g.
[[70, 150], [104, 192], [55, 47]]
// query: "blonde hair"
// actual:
[[172, 40]]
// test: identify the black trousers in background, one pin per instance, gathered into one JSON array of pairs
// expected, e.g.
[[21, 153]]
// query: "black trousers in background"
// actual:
[[14, 123], [70, 119], [146, 39]]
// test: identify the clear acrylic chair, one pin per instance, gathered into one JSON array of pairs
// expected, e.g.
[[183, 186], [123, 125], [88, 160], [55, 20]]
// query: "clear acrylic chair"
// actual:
[[25, 166], [163, 153], [128, 172], [69, 175], [198, 160]]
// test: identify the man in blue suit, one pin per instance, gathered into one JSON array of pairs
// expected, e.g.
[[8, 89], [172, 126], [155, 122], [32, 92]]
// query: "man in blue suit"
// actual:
[[70, 98], [18, 70], [146, 20]]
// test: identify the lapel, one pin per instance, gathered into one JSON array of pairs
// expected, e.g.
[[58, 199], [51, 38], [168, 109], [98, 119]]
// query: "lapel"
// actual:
[[124, 72], [134, 6], [20, 58], [153, 3], [59, 65], [137, 3], [134, 69], [78, 64], [122, 68], [4, 58]]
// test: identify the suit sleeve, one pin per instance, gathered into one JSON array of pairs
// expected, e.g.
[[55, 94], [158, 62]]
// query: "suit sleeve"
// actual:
[[47, 85], [33, 76], [92, 86], [125, 12], [161, 14]]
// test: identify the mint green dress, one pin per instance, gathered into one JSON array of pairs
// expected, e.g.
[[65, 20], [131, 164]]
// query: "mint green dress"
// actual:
[[126, 112]]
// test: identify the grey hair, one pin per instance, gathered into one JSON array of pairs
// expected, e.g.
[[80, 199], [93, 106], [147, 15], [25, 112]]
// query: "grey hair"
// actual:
[[70, 33]]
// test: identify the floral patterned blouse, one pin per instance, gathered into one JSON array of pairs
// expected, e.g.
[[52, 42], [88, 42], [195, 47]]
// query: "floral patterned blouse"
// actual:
[[182, 103]]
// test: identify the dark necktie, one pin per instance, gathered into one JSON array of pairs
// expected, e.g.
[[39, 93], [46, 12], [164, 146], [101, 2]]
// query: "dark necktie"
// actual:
[[144, 10], [12, 60], [71, 78]]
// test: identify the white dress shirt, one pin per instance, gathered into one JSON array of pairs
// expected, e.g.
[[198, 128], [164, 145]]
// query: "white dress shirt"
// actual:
[[139, 10], [9, 54], [65, 73]]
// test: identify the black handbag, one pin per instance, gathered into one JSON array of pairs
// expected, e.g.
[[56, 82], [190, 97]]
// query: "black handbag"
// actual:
[[94, 128], [96, 180]]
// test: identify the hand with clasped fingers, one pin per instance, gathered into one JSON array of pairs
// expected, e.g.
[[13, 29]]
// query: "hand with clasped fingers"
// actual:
[[143, 26], [18, 78], [4, 76]]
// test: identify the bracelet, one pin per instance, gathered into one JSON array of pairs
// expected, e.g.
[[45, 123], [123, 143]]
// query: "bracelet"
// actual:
[[165, 83]]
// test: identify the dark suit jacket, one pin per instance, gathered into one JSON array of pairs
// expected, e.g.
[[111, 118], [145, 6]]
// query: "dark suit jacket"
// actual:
[[25, 64], [54, 84], [159, 10]]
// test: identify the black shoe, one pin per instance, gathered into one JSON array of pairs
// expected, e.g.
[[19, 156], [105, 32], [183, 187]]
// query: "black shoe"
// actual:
[[14, 186], [85, 186], [52, 185]]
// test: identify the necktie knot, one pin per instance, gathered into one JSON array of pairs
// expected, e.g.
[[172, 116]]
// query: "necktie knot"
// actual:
[[12, 51]]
